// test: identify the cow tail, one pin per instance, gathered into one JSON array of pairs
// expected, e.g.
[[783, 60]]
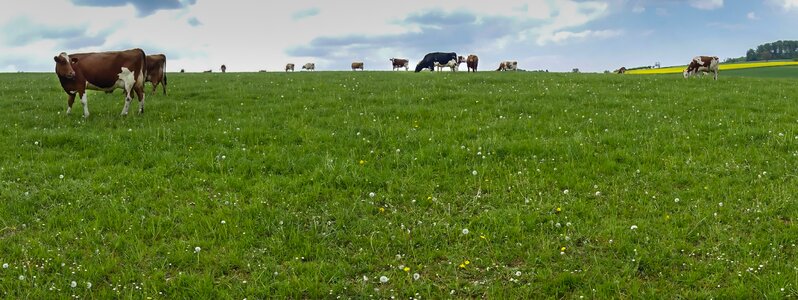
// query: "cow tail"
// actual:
[[163, 71], [143, 70]]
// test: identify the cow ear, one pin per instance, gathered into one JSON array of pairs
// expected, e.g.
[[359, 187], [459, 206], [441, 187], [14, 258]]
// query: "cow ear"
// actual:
[[74, 60]]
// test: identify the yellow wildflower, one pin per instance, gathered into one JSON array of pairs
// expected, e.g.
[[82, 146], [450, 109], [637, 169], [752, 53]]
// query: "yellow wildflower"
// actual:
[[406, 269]]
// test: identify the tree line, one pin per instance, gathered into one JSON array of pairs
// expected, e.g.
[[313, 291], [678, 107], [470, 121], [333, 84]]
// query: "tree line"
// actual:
[[775, 50]]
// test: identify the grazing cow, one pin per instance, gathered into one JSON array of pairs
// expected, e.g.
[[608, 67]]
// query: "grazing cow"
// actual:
[[182, 70], [309, 67], [156, 71], [431, 58], [702, 64], [508, 65], [104, 71], [289, 67], [399, 63], [224, 68], [208, 71], [621, 70], [357, 65], [472, 62]]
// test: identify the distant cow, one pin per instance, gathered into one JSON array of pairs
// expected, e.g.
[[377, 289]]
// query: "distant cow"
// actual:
[[399, 63], [702, 64], [508, 65], [224, 68], [104, 71], [156, 71], [309, 67], [621, 70], [208, 71], [430, 59], [357, 65], [452, 64], [289, 67], [472, 62]]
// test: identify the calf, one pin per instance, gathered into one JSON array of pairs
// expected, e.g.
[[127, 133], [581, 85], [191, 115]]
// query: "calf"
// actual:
[[357, 65], [309, 67], [289, 67], [156, 71], [472, 62], [452, 64], [429, 60], [702, 64], [399, 63], [104, 71], [508, 65]]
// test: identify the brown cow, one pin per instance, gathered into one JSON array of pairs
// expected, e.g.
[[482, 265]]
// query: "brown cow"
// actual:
[[702, 64], [357, 65], [156, 71], [224, 68], [289, 67], [621, 70], [104, 71], [399, 63], [472, 62]]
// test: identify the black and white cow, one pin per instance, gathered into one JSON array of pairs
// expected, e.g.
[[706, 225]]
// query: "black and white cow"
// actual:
[[702, 64], [435, 57]]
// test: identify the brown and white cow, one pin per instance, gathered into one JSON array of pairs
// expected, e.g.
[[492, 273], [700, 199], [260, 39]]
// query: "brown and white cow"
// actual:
[[104, 71], [309, 67], [400, 63], [357, 65], [289, 67], [508, 65], [472, 62], [156, 71], [702, 64]]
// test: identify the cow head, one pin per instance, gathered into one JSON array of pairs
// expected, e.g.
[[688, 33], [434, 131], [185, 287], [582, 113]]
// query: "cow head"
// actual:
[[63, 65]]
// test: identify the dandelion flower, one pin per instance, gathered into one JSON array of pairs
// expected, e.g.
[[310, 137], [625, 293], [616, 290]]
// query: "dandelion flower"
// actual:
[[559, 209], [406, 269], [562, 249], [73, 284], [462, 266], [467, 262], [383, 279], [382, 209], [465, 231], [197, 249], [362, 161], [372, 194]]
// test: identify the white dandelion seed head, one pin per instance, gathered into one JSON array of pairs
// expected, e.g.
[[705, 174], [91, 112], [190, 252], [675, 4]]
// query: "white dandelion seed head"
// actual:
[[61, 176], [465, 231], [73, 284], [21, 277], [720, 204], [197, 249], [383, 279], [474, 172], [223, 222], [517, 273], [88, 285], [416, 276], [598, 193], [565, 192], [5, 266], [372, 194], [676, 200], [634, 227]]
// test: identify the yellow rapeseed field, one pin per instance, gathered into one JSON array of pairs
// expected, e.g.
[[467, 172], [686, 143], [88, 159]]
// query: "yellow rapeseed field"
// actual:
[[679, 69]]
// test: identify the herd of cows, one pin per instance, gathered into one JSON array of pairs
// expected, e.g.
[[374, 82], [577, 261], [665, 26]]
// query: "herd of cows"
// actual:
[[130, 69]]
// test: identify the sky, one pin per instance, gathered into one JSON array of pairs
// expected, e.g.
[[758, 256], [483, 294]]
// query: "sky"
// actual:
[[253, 35]]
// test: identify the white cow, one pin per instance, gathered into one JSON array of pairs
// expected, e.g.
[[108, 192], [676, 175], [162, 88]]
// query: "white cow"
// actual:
[[452, 64]]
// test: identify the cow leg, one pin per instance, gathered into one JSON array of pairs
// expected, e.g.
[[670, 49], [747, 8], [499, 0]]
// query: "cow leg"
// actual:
[[70, 101], [716, 74], [140, 95], [85, 102], [127, 103], [154, 87]]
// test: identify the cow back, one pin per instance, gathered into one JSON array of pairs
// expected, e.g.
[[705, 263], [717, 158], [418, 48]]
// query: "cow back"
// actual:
[[102, 69]]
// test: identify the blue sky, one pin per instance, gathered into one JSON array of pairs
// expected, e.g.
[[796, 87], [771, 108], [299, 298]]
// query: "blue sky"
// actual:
[[252, 35]]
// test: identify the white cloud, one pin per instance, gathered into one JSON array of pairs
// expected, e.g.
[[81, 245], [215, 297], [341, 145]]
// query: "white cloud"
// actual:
[[707, 4], [638, 8], [752, 16], [563, 36], [789, 4]]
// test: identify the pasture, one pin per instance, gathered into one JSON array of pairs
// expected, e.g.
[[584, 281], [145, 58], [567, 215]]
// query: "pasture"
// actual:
[[394, 184]]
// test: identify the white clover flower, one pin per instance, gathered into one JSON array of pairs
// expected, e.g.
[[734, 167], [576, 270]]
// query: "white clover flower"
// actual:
[[21, 277], [474, 172], [416, 276], [5, 266], [383, 279], [365, 278], [517, 273], [61, 176], [565, 192], [598, 193], [197, 249], [223, 222], [372, 194], [73, 284], [465, 231], [676, 200], [88, 285], [634, 227]]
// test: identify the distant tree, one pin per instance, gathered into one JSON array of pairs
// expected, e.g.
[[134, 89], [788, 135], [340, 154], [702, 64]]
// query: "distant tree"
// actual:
[[765, 55], [750, 55]]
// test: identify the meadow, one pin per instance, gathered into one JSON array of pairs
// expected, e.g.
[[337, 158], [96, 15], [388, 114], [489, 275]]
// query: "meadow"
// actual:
[[395, 184], [744, 67]]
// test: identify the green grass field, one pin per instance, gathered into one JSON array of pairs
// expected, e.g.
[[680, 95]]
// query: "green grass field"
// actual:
[[315, 185], [770, 72]]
